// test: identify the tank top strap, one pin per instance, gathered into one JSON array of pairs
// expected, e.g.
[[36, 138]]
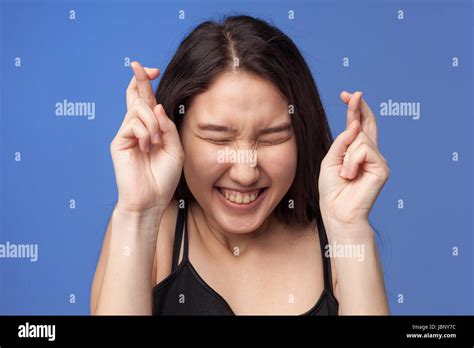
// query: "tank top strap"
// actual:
[[326, 260], [180, 230]]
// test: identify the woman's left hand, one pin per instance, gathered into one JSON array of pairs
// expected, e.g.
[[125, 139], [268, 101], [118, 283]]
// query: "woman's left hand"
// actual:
[[354, 171]]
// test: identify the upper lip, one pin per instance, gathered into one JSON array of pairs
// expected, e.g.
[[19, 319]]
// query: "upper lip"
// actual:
[[239, 190]]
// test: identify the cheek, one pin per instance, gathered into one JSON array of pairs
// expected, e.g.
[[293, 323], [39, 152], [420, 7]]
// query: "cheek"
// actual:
[[279, 163], [201, 168]]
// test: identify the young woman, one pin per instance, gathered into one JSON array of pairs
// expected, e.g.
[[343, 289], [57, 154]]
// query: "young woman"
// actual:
[[199, 230]]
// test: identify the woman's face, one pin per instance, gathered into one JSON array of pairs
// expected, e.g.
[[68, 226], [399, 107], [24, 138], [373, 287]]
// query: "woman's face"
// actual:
[[240, 151]]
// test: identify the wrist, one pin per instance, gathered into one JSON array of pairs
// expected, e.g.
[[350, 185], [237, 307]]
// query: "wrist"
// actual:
[[139, 223], [352, 233], [137, 214]]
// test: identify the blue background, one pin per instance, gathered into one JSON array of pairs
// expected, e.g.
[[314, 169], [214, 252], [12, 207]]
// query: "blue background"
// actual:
[[65, 158]]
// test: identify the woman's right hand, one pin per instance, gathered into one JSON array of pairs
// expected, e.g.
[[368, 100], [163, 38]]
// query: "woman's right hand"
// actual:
[[146, 151]]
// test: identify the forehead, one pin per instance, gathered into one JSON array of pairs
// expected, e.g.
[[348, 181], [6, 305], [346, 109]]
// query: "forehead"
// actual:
[[240, 98]]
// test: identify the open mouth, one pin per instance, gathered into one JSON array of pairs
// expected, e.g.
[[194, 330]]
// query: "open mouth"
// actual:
[[239, 197]]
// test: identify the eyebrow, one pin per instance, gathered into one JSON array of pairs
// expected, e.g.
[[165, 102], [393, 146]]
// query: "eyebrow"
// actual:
[[219, 128], [215, 128], [280, 128]]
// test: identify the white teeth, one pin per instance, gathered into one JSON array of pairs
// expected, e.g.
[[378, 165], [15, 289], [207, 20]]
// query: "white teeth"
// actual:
[[238, 198]]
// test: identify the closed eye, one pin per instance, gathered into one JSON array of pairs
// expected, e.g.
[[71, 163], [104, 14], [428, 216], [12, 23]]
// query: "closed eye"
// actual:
[[274, 142], [260, 142], [218, 141], [270, 142]]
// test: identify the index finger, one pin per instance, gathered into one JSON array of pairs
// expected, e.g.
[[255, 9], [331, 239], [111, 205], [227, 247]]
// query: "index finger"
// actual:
[[367, 117], [353, 107], [132, 89], [144, 87]]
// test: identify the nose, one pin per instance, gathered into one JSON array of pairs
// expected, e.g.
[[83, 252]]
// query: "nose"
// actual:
[[244, 174]]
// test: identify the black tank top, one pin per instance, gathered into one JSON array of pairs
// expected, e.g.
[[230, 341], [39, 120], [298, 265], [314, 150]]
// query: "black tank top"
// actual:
[[184, 292]]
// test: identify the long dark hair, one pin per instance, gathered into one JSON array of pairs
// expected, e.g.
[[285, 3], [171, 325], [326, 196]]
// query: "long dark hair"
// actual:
[[261, 49]]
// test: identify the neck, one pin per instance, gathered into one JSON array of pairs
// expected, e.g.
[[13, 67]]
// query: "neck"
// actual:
[[220, 242]]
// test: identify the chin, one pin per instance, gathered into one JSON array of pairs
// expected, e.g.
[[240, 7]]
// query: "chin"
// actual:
[[239, 226]]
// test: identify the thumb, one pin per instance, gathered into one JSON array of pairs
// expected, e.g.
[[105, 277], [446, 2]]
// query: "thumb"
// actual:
[[169, 133], [338, 148]]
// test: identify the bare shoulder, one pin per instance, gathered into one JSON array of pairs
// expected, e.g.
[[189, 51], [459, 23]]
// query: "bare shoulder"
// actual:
[[164, 243]]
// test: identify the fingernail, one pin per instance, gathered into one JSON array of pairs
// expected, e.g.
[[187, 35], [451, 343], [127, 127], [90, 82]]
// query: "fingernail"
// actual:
[[345, 162], [156, 138], [343, 171]]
